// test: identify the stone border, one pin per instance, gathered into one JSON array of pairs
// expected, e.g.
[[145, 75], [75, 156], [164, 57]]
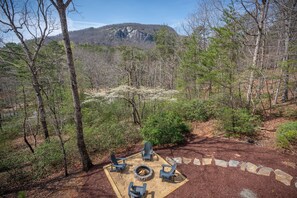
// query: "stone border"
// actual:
[[280, 175]]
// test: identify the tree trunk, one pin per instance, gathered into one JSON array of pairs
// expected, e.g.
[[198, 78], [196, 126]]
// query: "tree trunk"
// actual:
[[59, 134], [285, 95], [277, 89], [41, 109], [263, 11], [254, 64], [1, 128], [86, 161], [25, 121]]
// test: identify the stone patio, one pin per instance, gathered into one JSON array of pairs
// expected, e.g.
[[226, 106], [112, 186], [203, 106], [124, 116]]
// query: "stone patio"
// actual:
[[155, 186]]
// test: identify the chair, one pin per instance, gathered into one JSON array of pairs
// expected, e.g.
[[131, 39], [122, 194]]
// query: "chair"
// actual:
[[115, 166], [147, 152], [136, 191], [168, 175]]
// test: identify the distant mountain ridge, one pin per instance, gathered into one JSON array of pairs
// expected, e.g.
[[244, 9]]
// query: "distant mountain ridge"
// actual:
[[130, 34]]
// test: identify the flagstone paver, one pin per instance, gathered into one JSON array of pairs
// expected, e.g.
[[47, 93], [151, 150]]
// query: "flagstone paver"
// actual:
[[265, 171], [233, 163], [187, 160], [247, 193], [177, 160], [252, 168], [283, 177], [243, 166], [221, 163], [206, 161], [196, 162]]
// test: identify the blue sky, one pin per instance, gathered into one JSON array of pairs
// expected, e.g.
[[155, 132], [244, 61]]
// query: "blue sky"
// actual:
[[102, 12], [97, 13]]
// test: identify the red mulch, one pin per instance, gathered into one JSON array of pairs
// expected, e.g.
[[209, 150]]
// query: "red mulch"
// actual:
[[204, 181]]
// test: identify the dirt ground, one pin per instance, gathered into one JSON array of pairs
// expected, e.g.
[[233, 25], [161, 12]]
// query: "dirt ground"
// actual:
[[204, 181]]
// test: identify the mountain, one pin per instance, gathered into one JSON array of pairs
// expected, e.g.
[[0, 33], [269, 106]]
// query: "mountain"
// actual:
[[129, 34]]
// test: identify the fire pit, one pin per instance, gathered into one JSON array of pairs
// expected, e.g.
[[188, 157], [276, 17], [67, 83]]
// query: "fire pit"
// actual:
[[143, 172]]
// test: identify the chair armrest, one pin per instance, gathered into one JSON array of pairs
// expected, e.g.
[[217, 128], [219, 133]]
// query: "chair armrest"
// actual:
[[130, 186], [152, 152], [144, 187], [122, 158], [165, 165], [119, 165]]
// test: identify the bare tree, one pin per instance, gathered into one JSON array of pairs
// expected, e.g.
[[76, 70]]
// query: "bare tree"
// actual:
[[35, 21], [287, 8], [258, 13], [61, 8]]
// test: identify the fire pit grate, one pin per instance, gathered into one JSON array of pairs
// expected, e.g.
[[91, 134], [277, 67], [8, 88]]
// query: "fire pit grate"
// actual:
[[143, 172]]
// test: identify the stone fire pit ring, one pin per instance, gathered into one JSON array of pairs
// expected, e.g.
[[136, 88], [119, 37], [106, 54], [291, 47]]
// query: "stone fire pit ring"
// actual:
[[143, 172]]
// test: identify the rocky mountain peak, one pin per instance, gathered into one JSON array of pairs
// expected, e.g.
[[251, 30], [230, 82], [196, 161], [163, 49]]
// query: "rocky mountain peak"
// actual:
[[129, 34]]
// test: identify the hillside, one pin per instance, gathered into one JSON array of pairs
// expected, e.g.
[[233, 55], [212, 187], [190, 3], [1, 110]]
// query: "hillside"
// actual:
[[131, 34]]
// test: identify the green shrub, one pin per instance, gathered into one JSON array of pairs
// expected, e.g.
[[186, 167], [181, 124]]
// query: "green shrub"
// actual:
[[14, 163], [110, 135], [238, 121], [48, 157], [107, 126], [21, 194], [287, 135], [11, 128], [194, 110], [164, 128], [290, 113]]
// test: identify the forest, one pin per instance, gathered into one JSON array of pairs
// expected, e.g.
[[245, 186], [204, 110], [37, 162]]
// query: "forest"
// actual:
[[65, 106]]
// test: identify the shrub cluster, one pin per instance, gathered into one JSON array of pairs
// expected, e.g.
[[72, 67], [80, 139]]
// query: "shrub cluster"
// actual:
[[195, 110], [287, 135], [47, 158], [238, 121], [107, 127], [164, 128], [12, 166]]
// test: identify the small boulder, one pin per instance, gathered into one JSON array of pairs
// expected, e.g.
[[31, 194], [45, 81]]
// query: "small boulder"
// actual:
[[252, 168], [196, 162], [178, 160], [265, 171], [233, 163], [247, 193], [206, 161], [187, 160], [283, 177], [243, 166], [221, 163]]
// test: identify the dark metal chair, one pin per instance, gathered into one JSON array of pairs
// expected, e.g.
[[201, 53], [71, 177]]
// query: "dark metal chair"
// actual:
[[147, 152], [115, 166], [168, 175], [136, 191]]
